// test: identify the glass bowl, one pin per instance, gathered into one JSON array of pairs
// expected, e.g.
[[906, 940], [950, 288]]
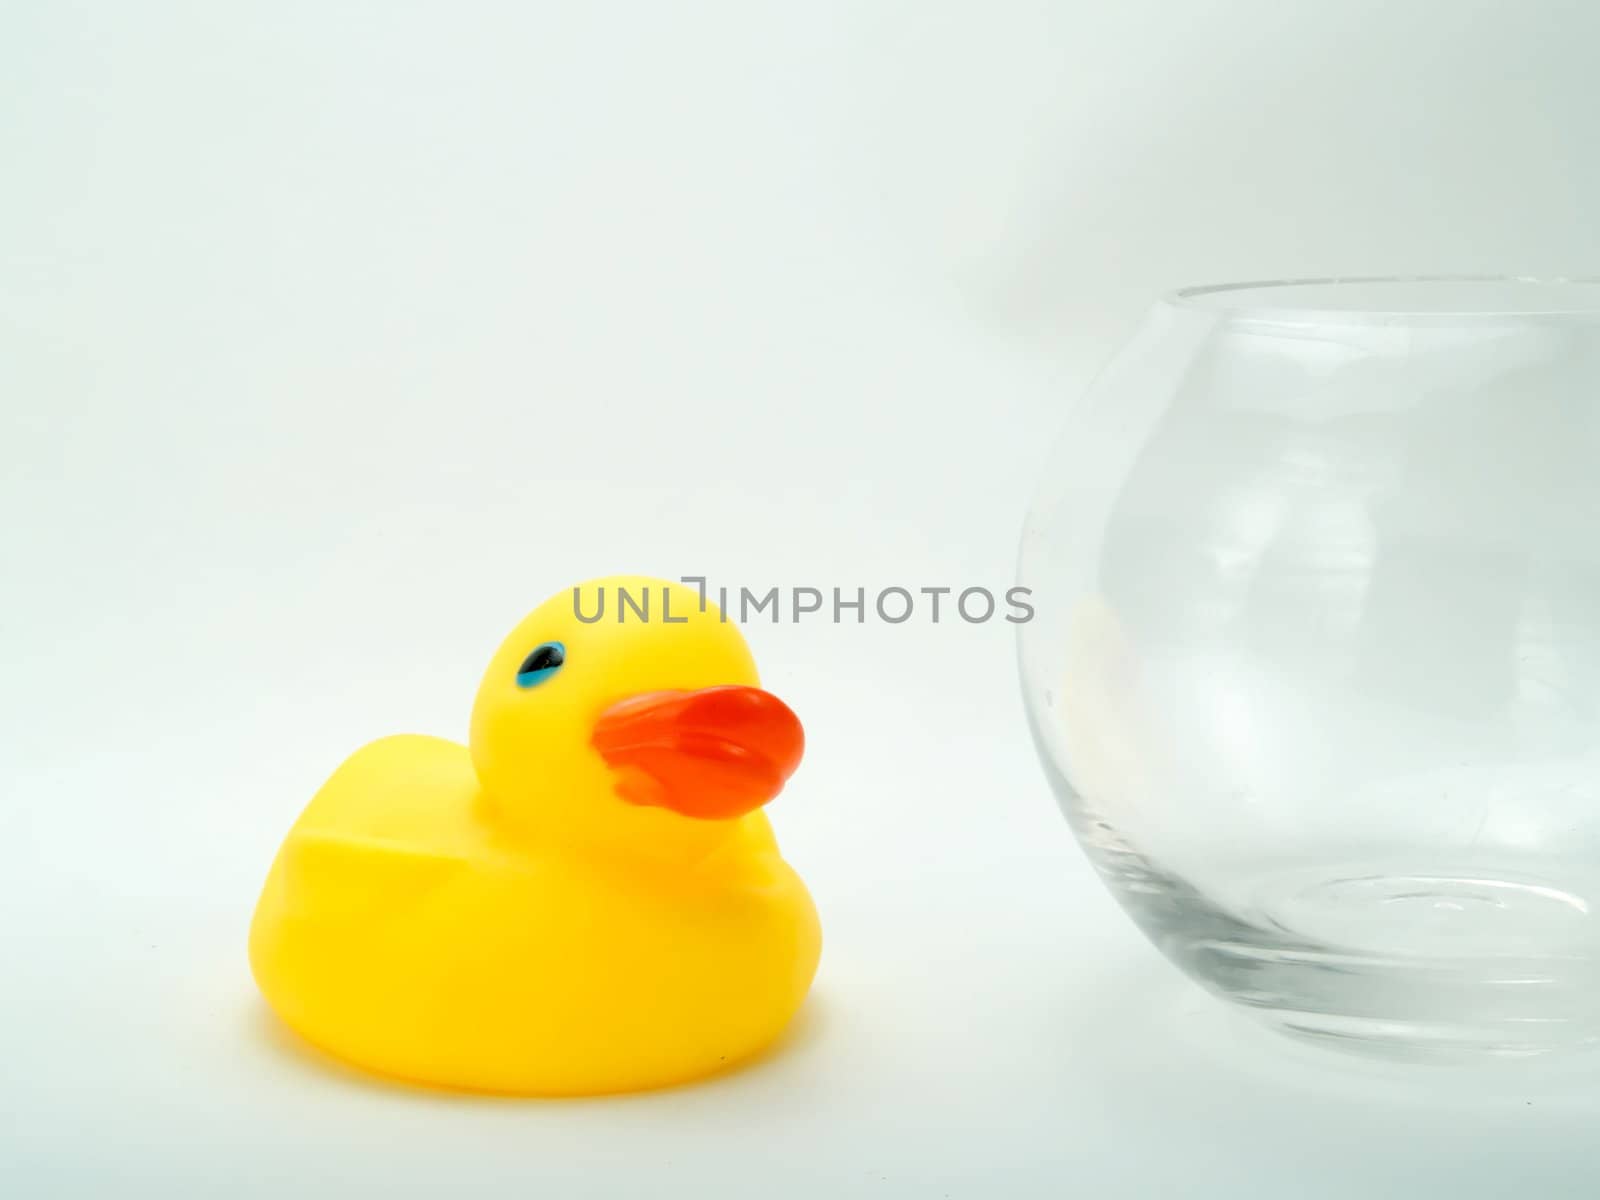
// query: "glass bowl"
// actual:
[[1315, 670]]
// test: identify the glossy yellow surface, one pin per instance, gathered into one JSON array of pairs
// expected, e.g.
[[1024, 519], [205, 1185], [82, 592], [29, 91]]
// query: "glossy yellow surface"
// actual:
[[499, 918]]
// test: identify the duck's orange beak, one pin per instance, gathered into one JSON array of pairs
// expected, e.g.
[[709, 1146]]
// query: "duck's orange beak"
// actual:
[[714, 753]]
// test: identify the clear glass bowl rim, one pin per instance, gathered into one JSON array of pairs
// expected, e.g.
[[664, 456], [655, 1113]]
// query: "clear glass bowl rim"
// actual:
[[1391, 299]]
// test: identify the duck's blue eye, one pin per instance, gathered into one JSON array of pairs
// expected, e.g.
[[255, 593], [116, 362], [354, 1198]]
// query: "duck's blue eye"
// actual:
[[544, 662]]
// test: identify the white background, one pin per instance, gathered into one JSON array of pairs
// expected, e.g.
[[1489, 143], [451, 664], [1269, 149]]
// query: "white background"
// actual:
[[335, 336]]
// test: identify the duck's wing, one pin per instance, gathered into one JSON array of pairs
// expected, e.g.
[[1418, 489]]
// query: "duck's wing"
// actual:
[[393, 824], [333, 878], [409, 790]]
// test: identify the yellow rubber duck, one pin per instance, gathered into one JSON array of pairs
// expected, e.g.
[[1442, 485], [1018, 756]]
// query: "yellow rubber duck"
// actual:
[[589, 899]]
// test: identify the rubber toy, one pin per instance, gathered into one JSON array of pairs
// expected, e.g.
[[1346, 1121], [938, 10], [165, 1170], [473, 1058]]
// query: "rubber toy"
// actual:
[[588, 899]]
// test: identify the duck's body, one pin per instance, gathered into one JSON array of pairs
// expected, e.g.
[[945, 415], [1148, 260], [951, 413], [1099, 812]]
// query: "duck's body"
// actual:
[[416, 924]]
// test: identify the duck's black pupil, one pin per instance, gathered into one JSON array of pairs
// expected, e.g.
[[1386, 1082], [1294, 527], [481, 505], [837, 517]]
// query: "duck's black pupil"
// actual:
[[544, 658]]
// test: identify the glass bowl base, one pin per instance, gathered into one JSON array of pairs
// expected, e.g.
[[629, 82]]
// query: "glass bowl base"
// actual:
[[1409, 964]]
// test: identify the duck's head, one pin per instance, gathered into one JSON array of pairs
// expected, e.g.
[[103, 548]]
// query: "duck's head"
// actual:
[[622, 711]]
